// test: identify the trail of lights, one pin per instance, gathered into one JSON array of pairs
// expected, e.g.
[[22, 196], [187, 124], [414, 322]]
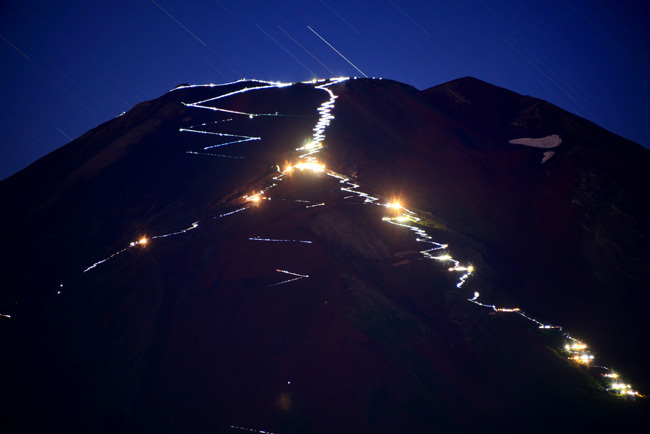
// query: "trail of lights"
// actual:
[[248, 139], [232, 212], [300, 276], [352, 188], [183, 231], [218, 134], [280, 241], [106, 259], [143, 241], [576, 349], [242, 138], [250, 429], [205, 124], [201, 104], [216, 155], [241, 80]]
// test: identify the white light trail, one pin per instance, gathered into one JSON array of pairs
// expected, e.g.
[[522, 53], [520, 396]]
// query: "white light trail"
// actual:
[[337, 52], [200, 104], [143, 241], [233, 212], [105, 259], [241, 80], [243, 138], [279, 240], [183, 231], [300, 276], [215, 155], [250, 429], [250, 139]]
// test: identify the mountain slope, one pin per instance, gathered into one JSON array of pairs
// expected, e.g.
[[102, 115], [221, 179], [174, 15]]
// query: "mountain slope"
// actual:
[[207, 287]]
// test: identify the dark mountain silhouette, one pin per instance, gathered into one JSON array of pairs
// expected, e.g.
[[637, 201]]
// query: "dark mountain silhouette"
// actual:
[[199, 328]]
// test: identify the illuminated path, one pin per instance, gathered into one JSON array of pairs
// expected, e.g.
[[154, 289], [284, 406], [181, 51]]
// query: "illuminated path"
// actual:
[[142, 242]]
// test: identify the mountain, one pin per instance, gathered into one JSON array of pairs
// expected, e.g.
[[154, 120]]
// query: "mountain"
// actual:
[[169, 272]]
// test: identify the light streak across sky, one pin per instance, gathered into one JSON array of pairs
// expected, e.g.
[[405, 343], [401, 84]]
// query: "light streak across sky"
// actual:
[[14, 47], [337, 52]]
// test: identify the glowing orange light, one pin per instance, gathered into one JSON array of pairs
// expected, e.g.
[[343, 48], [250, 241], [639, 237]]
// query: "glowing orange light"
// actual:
[[311, 165], [395, 205], [584, 359], [143, 241], [576, 346]]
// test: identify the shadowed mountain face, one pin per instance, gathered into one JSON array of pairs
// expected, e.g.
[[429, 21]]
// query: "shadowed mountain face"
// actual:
[[148, 291]]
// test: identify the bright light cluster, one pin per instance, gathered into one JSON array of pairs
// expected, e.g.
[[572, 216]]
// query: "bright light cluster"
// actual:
[[584, 358], [141, 242], [624, 389], [394, 205], [312, 166], [577, 352], [255, 198]]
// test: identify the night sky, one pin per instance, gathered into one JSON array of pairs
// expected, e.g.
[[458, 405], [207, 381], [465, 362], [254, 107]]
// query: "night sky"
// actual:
[[68, 66]]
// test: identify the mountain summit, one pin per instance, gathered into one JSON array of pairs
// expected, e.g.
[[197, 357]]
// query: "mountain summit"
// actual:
[[343, 255]]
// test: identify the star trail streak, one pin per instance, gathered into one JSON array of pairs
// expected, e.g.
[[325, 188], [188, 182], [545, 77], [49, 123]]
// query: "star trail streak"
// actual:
[[337, 52]]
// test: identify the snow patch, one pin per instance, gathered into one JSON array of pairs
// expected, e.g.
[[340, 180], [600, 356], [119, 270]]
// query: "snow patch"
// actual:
[[547, 142], [547, 156]]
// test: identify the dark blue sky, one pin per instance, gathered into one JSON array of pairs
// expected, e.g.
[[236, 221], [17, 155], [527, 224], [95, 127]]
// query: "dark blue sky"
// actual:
[[69, 65]]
